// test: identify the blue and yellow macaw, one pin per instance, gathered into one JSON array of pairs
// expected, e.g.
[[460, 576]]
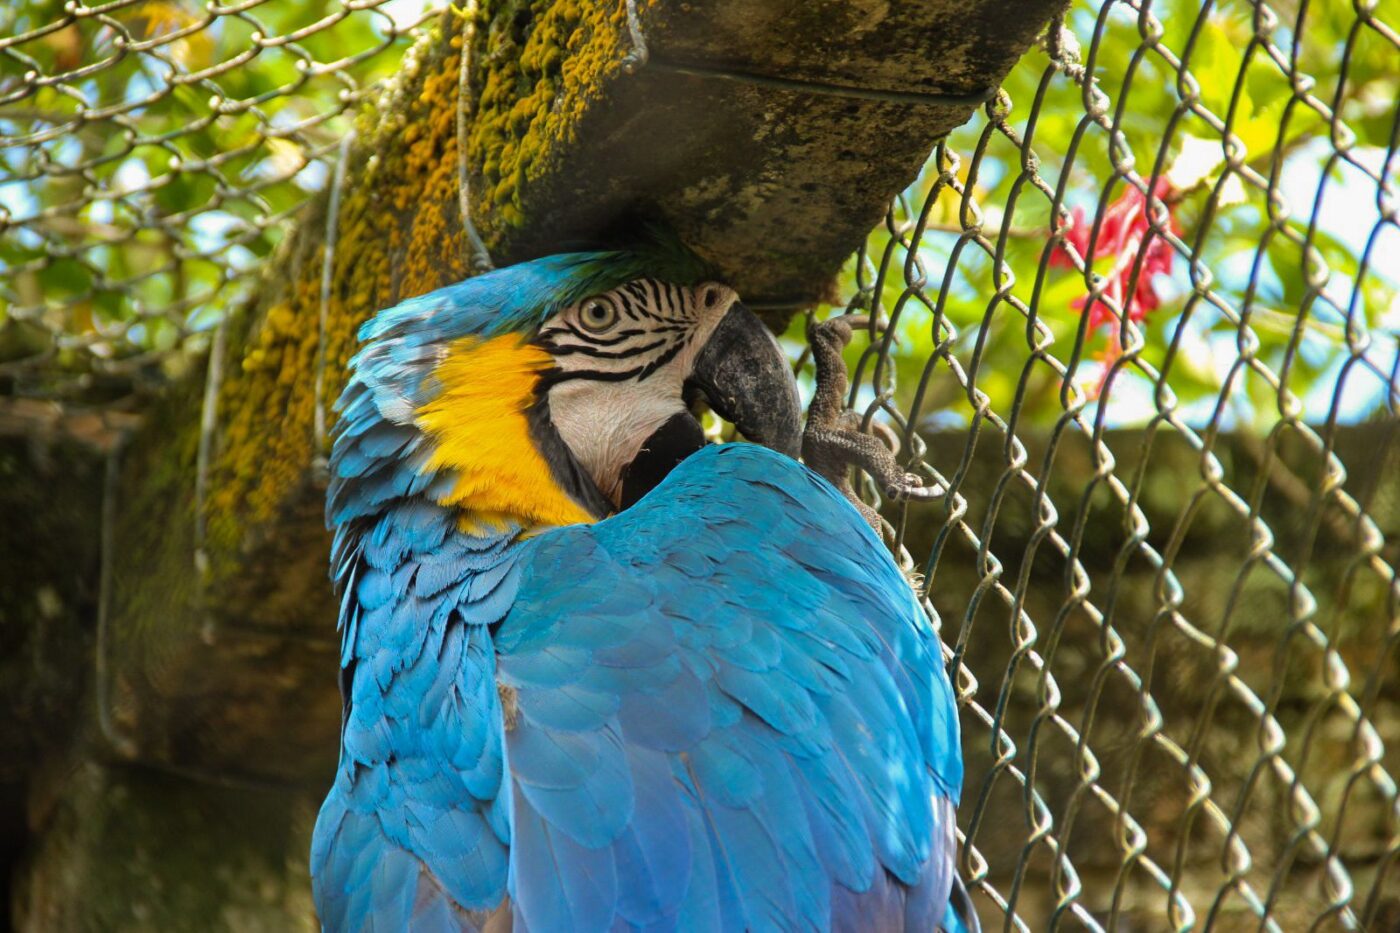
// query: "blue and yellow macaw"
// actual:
[[600, 675]]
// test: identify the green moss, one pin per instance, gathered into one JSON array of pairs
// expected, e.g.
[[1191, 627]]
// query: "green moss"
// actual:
[[397, 236], [537, 65], [128, 850]]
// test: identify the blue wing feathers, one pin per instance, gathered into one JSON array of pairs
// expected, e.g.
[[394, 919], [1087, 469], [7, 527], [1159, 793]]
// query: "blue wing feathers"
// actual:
[[653, 852], [409, 832], [489, 607], [839, 829], [568, 708], [558, 760], [770, 649], [727, 711], [597, 808], [672, 719], [563, 886], [777, 700]]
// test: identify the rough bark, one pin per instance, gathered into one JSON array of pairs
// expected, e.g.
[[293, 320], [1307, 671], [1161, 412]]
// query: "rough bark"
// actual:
[[50, 502], [126, 850]]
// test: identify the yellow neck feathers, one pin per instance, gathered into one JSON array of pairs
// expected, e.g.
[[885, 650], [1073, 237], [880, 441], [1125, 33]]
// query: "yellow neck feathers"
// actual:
[[479, 425]]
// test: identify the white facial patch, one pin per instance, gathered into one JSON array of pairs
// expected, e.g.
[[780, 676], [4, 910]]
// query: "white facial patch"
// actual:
[[623, 358], [605, 424]]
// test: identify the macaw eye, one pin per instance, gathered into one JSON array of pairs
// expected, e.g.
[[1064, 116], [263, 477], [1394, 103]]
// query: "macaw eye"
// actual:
[[597, 315]]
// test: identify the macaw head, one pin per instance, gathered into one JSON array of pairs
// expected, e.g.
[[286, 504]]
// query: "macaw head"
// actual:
[[559, 390]]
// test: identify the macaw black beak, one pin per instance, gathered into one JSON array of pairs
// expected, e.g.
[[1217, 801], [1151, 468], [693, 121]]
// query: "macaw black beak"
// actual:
[[745, 377], [747, 380]]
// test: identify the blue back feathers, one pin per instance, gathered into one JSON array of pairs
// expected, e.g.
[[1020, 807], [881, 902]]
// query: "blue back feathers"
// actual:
[[726, 711], [732, 715]]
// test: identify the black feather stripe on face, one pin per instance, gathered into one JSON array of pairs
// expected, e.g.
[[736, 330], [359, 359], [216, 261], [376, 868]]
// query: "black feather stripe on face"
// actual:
[[565, 468], [598, 354], [657, 319]]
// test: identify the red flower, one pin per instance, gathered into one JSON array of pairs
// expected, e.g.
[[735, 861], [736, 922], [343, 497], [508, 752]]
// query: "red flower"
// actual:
[[1125, 226]]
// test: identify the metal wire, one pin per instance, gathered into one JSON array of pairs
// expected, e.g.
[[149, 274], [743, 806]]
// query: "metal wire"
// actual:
[[1118, 320], [1259, 792], [151, 153]]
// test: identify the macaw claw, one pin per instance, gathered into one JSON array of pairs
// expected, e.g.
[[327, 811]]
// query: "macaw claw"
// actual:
[[834, 442]]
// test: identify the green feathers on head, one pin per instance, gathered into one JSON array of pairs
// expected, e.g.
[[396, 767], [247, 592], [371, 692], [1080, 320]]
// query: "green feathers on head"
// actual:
[[658, 255]]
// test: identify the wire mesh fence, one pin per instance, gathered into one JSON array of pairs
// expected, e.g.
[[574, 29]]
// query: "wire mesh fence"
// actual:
[[152, 153], [1138, 319], [1140, 322]]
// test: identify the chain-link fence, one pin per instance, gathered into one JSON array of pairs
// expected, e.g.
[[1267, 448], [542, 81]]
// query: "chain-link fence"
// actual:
[[1138, 318], [152, 154], [1140, 321]]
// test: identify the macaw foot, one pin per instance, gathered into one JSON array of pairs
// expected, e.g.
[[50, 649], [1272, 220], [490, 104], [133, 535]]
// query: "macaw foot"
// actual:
[[834, 441]]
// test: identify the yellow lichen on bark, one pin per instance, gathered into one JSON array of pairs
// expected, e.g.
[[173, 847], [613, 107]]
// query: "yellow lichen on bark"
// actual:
[[398, 235], [539, 63]]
